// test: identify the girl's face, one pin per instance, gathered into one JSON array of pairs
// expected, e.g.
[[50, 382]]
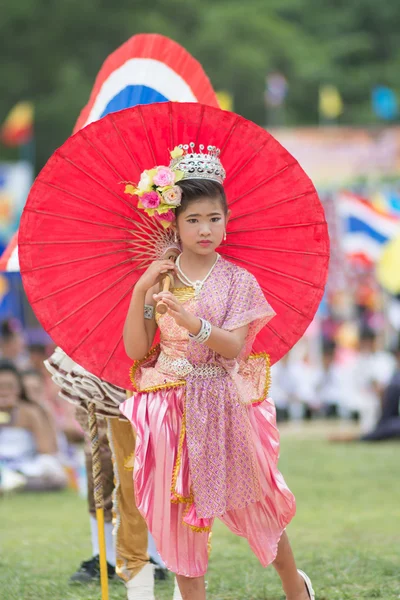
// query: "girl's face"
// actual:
[[10, 390], [201, 227]]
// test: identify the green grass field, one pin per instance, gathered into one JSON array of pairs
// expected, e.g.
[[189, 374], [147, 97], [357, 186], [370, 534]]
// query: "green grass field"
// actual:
[[346, 534]]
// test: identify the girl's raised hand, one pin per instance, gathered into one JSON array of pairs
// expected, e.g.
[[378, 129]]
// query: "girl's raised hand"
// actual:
[[154, 274], [182, 317]]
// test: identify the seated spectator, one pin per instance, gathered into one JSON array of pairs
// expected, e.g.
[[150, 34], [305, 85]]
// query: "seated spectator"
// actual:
[[63, 412], [304, 375], [331, 389], [281, 387], [27, 445], [388, 426], [366, 378], [34, 386]]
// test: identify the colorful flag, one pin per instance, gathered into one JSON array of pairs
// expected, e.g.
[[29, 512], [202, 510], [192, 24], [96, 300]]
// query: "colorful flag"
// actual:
[[384, 102], [330, 102], [365, 230], [15, 182], [387, 201], [9, 259], [17, 129]]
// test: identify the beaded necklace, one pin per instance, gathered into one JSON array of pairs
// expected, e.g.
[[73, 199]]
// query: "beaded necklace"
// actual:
[[198, 284]]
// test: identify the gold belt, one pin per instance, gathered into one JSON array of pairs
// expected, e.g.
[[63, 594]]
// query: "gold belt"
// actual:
[[182, 367]]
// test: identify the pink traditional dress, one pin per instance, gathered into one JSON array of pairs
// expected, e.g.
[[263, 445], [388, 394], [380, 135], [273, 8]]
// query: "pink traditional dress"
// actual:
[[207, 442]]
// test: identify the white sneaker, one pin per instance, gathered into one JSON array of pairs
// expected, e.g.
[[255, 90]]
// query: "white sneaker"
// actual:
[[308, 583], [141, 587], [11, 481]]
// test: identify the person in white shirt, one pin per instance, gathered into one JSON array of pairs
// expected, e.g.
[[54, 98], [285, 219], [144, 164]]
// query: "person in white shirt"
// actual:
[[331, 389], [366, 378]]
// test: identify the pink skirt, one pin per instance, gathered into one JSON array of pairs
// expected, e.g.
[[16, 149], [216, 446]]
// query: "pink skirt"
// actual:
[[163, 491]]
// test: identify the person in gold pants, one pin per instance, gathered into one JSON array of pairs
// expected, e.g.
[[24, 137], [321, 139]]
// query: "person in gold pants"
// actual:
[[130, 530], [128, 544]]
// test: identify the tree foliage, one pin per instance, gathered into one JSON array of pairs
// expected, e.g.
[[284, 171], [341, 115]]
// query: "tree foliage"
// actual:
[[52, 51]]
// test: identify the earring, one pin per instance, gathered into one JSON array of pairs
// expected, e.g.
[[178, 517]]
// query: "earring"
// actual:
[[176, 240], [225, 236]]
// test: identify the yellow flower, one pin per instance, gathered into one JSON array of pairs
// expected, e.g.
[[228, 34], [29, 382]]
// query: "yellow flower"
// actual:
[[178, 175], [149, 211], [163, 208], [130, 189], [165, 224], [176, 152]]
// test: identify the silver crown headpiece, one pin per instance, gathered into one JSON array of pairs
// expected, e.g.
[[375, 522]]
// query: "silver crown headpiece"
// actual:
[[199, 165]]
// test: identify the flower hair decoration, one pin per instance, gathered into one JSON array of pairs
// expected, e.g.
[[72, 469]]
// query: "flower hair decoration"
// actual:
[[157, 190]]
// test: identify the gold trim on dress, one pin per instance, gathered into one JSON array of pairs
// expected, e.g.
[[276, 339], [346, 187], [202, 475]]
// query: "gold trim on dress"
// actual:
[[139, 363], [197, 529], [183, 294], [267, 384], [194, 527], [209, 544], [177, 498], [162, 386]]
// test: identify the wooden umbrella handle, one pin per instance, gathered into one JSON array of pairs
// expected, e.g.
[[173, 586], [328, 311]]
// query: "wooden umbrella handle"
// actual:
[[98, 497], [168, 282]]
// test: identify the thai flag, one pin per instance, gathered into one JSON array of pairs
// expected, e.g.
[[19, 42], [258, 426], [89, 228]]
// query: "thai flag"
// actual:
[[9, 259], [365, 230]]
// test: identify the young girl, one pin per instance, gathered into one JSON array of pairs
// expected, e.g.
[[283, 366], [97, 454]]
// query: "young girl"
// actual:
[[207, 443]]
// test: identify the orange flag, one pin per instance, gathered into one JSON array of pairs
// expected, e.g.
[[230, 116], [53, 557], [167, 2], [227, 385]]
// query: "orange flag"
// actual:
[[17, 129]]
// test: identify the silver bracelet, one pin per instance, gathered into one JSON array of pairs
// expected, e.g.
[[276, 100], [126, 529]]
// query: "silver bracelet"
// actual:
[[204, 333], [148, 311]]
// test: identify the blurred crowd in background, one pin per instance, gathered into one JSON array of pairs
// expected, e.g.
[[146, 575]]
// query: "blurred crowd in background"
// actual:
[[347, 383], [39, 432]]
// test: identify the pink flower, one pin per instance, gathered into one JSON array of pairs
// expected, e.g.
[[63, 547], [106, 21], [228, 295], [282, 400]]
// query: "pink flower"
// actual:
[[167, 216], [173, 196], [150, 200], [164, 176]]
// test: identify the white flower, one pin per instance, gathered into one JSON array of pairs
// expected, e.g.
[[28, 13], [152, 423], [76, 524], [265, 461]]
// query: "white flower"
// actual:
[[145, 182], [173, 196]]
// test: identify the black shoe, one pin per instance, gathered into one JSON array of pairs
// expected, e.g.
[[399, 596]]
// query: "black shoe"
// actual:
[[90, 571], [160, 574]]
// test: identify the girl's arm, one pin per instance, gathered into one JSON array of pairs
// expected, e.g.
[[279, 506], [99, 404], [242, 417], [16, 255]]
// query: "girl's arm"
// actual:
[[139, 332], [228, 344]]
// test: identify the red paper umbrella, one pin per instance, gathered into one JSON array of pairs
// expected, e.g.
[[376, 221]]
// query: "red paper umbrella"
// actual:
[[84, 244]]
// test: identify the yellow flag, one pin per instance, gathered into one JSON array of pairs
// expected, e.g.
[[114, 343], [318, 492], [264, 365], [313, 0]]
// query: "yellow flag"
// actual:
[[225, 100], [330, 102], [18, 126], [388, 267]]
